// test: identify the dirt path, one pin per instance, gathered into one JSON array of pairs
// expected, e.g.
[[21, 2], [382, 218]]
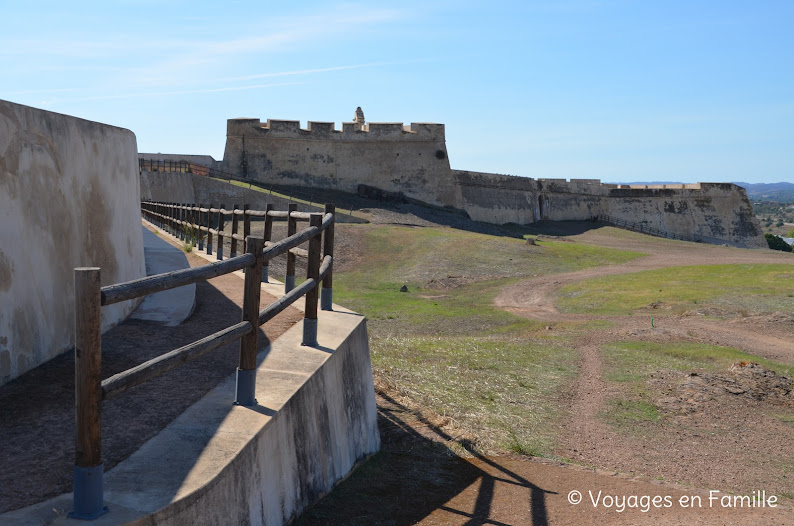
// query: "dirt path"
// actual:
[[729, 443]]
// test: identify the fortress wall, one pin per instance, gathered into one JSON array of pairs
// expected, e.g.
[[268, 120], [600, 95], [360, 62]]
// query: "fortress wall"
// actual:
[[384, 155], [412, 160], [69, 197], [711, 212], [169, 187], [495, 198], [714, 212]]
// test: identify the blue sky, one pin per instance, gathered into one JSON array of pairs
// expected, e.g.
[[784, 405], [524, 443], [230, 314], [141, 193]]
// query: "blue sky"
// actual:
[[622, 90]]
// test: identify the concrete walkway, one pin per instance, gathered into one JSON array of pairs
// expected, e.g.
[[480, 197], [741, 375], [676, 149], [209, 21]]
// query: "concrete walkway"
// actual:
[[169, 307]]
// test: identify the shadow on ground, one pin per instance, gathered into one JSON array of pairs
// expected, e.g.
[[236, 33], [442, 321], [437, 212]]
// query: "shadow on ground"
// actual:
[[37, 409], [415, 475]]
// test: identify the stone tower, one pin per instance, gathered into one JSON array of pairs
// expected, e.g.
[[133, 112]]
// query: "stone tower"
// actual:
[[358, 119]]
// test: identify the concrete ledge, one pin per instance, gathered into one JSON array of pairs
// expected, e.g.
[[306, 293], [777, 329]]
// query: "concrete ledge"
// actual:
[[224, 464], [169, 307]]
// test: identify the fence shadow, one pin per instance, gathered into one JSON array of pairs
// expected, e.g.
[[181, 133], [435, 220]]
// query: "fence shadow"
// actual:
[[37, 409], [416, 475]]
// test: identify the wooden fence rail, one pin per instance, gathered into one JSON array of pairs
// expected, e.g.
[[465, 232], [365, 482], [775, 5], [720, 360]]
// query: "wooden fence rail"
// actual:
[[151, 165], [189, 223]]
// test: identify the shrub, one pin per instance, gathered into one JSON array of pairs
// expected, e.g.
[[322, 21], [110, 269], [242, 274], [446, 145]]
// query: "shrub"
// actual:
[[777, 243]]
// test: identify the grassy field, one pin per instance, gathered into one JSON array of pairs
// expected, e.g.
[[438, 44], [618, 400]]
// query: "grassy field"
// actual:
[[742, 289], [256, 187], [497, 376]]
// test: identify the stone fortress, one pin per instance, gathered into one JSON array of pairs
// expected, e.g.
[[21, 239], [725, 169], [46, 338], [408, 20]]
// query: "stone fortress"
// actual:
[[412, 161]]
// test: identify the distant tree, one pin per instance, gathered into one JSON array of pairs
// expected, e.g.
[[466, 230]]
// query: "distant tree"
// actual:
[[776, 243], [779, 224]]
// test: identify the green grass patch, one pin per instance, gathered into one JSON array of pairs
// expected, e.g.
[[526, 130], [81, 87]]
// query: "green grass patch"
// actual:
[[631, 365], [628, 413], [786, 419], [635, 361], [256, 187], [497, 375], [502, 390], [452, 277], [742, 289]]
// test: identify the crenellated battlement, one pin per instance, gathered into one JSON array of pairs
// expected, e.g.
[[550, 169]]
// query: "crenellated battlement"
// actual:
[[290, 129]]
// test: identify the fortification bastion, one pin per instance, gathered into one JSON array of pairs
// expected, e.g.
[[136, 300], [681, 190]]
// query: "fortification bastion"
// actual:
[[391, 156], [412, 161]]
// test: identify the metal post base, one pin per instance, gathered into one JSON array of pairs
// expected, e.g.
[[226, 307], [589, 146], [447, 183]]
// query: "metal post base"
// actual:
[[246, 387], [326, 299], [309, 332], [265, 274], [89, 500], [289, 283]]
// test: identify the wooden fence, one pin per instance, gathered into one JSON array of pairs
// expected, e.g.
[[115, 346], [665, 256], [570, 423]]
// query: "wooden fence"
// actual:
[[207, 171], [91, 390]]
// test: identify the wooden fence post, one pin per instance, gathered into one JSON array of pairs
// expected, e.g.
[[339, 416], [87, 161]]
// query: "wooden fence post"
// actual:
[[312, 272], [246, 371], [292, 227], [221, 222], [266, 237], [209, 225], [235, 222], [200, 223], [326, 297], [246, 226], [180, 215], [88, 500], [194, 222]]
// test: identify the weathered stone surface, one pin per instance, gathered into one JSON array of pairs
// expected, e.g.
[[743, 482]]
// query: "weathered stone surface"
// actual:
[[389, 156], [389, 159]]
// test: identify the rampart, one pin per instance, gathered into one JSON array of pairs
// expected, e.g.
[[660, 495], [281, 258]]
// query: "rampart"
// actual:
[[711, 212], [412, 160], [69, 197], [409, 159]]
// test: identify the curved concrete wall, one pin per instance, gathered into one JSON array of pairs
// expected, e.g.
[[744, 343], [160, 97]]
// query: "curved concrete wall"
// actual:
[[69, 197]]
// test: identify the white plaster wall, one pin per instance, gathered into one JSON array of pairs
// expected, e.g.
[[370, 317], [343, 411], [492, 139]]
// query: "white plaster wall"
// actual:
[[69, 197]]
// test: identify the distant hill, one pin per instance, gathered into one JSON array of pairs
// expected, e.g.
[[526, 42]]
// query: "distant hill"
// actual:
[[782, 192]]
